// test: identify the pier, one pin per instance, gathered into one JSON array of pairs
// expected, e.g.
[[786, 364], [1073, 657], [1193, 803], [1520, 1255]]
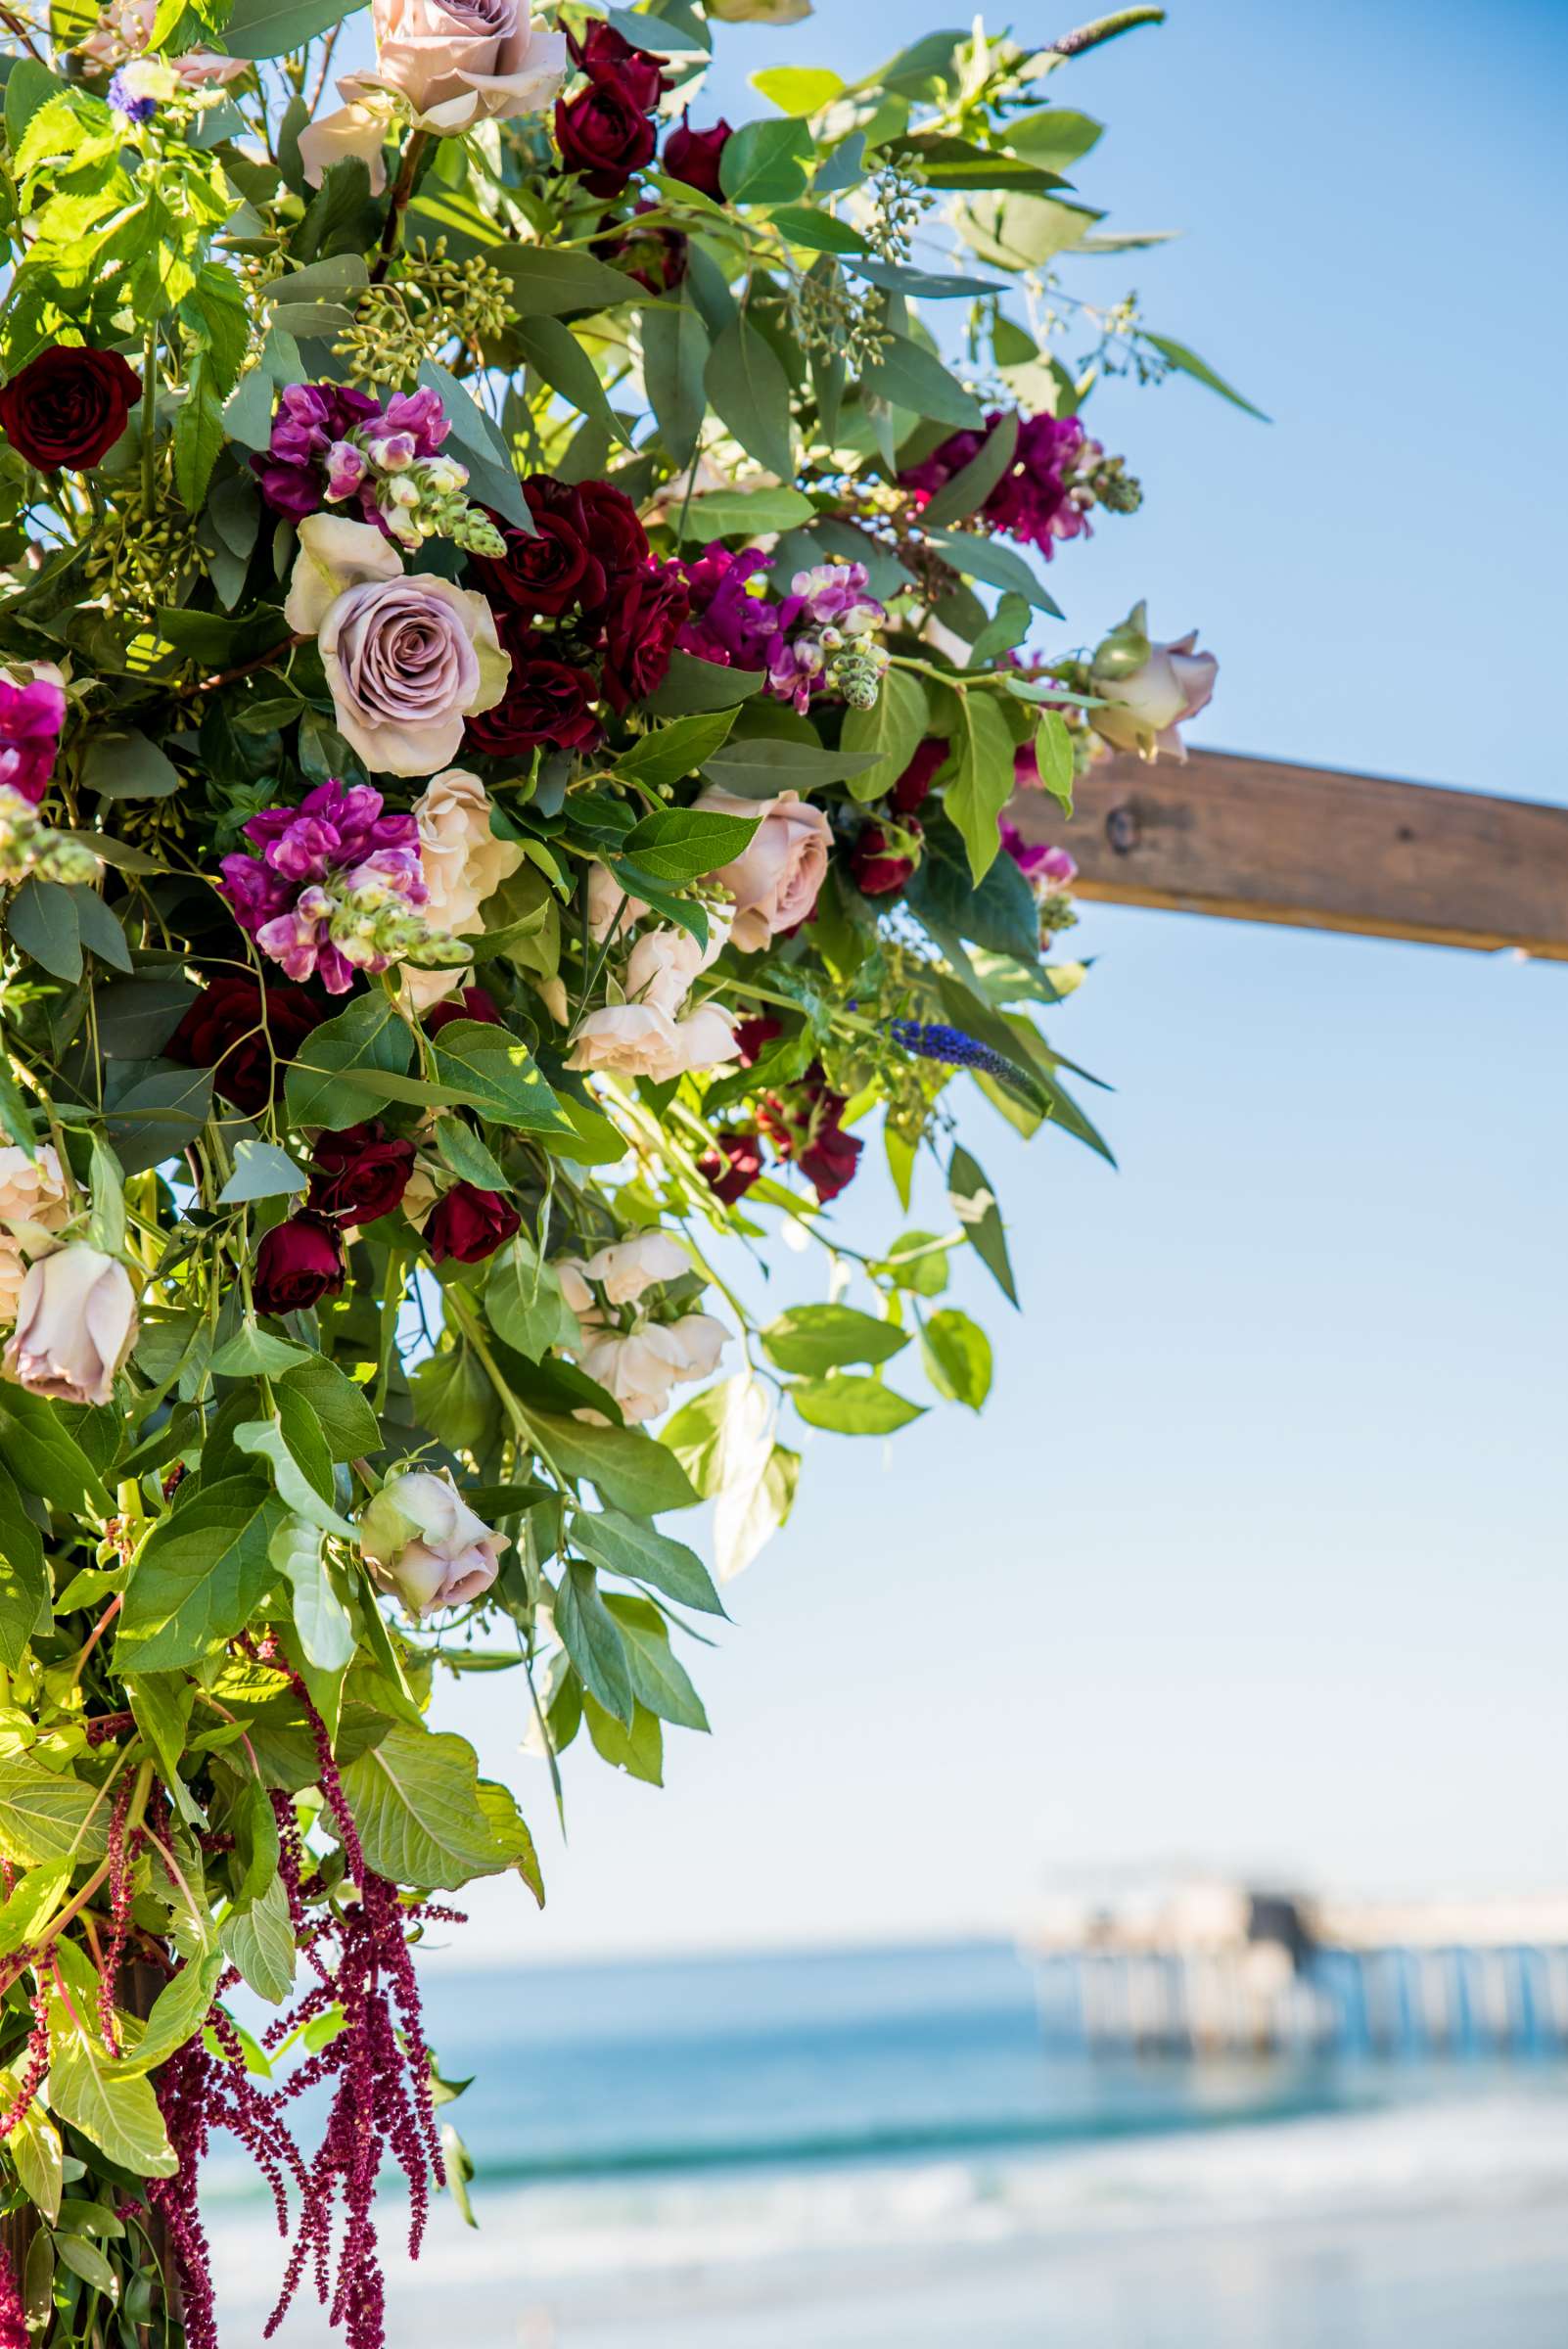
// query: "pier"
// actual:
[[1208, 1967]]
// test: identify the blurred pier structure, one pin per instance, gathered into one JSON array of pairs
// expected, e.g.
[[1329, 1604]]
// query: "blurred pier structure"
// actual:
[[1208, 1967]]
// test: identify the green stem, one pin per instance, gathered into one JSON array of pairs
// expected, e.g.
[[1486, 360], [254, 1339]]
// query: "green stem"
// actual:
[[150, 423], [403, 188]]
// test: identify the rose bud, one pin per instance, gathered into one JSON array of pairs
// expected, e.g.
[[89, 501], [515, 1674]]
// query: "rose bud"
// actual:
[[470, 1225], [361, 1174], [693, 155], [1149, 689], [420, 1538], [298, 1263], [75, 1325], [877, 864], [67, 406], [731, 1168]]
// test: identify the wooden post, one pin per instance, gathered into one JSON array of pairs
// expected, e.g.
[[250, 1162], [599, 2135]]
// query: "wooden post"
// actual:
[[1258, 840]]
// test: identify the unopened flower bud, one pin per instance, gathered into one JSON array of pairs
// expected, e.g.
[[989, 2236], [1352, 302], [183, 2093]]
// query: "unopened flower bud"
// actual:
[[421, 1538]]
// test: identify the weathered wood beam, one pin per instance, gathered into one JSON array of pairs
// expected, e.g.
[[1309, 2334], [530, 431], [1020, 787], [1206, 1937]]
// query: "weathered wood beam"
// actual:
[[1260, 841]]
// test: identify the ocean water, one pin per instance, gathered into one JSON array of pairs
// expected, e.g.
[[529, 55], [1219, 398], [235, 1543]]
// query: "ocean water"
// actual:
[[874, 2150]]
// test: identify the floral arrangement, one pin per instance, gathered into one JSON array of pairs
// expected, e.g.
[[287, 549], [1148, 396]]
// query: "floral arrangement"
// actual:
[[516, 605]]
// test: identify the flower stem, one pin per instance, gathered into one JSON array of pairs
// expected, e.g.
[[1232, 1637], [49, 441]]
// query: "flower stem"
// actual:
[[392, 226]]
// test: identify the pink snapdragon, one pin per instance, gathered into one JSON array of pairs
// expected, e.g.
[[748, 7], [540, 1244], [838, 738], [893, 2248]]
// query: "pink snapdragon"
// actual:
[[334, 886], [31, 716], [817, 638]]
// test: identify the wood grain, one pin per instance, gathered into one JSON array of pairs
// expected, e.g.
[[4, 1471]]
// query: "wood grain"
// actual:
[[1258, 841]]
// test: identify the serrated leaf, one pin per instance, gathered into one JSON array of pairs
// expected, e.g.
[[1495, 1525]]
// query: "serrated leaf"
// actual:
[[339, 1404], [200, 1575], [423, 1815], [628, 1547], [259, 1941], [23, 1576]]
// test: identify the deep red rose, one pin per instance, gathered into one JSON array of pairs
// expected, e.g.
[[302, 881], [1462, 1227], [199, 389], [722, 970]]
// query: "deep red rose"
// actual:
[[473, 1003], [917, 777], [616, 535], [468, 1224], [552, 568], [545, 701], [730, 1169], [604, 134], [298, 1263], [804, 1124], [694, 156], [640, 633], [361, 1174], [222, 1031], [752, 1037], [655, 258], [607, 56], [876, 869], [68, 407]]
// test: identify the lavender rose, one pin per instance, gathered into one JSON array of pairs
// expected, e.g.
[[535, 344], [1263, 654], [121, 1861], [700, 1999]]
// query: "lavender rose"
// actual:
[[421, 1538], [407, 659], [450, 64], [75, 1325]]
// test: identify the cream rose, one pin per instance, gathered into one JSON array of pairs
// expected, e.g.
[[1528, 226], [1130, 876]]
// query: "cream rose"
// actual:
[[636, 1039], [75, 1325], [641, 1369], [609, 904], [355, 130], [407, 659], [626, 1268], [1144, 707], [665, 964], [775, 879], [460, 857]]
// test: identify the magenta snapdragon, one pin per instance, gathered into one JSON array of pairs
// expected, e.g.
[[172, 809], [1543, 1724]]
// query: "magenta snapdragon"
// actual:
[[31, 717], [332, 884], [815, 639], [1046, 493], [332, 446]]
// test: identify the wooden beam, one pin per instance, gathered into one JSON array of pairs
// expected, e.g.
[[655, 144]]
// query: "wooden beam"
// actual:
[[1258, 841]]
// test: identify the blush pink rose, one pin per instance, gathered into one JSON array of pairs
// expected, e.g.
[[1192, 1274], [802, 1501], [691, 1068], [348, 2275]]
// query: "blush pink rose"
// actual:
[[775, 879], [407, 659]]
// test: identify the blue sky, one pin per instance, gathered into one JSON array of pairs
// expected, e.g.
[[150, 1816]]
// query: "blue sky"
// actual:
[[1257, 1554]]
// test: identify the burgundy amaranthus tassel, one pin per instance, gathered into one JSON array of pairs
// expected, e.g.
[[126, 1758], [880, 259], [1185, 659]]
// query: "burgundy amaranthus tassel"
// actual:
[[37, 2061], [13, 2316], [122, 1853]]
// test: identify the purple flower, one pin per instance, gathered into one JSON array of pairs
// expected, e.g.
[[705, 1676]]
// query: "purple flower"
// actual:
[[31, 716], [337, 845], [1040, 498], [137, 106], [311, 420], [1043, 867], [346, 468], [728, 625], [421, 415], [794, 639]]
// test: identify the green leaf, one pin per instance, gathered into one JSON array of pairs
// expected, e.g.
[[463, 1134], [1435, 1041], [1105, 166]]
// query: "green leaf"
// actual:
[[907, 376], [369, 1037], [592, 1639], [524, 1303], [987, 559], [23, 1576], [463, 1151], [495, 1073], [120, 2115], [1053, 756], [159, 1116], [659, 1679], [425, 1817], [254, 1352], [1055, 137], [975, 1205], [1188, 362], [626, 1545], [492, 475], [200, 1575], [260, 28], [916, 1262], [629, 1470], [106, 1228], [801, 224], [983, 782], [958, 1357], [124, 765], [43, 1455], [199, 430], [559, 359], [853, 1405], [319, 1616], [748, 390], [35, 2146], [891, 733], [639, 1751], [971, 485], [161, 1703], [261, 1170], [178, 2012], [691, 685], [762, 767], [743, 513], [42, 922], [675, 353], [813, 1338], [667, 752], [678, 844], [339, 1404], [765, 163], [798, 90], [259, 1940], [266, 1440], [45, 1817]]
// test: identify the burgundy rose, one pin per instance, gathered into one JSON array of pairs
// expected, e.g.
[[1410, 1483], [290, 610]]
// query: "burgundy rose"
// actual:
[[641, 631], [730, 1169], [607, 56], [604, 135], [222, 1030], [298, 1263], [552, 568], [693, 155], [361, 1174], [918, 776], [473, 1003], [830, 1158], [68, 407], [546, 702], [805, 1123], [876, 868], [616, 535], [752, 1037], [468, 1224]]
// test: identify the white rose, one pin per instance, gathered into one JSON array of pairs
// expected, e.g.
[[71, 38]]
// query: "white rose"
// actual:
[[75, 1325]]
